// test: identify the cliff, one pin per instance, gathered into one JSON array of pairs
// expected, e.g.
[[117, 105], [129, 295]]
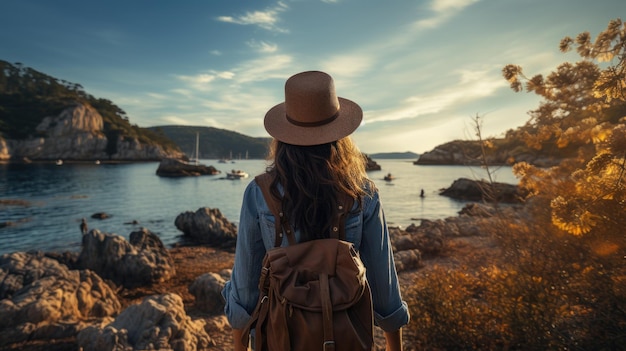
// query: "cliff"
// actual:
[[499, 152], [77, 133]]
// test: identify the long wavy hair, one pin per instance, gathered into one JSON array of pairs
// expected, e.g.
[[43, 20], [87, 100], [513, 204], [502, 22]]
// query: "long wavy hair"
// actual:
[[312, 178]]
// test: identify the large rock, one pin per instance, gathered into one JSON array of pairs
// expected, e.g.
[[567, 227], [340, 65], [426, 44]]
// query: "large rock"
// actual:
[[78, 118], [407, 260], [139, 262], [171, 167], [479, 190], [470, 152], [208, 226], [158, 323], [207, 289], [371, 165], [458, 152], [429, 241], [77, 134], [41, 299]]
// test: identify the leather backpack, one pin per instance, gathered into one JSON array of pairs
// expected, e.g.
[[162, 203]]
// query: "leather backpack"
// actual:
[[313, 295]]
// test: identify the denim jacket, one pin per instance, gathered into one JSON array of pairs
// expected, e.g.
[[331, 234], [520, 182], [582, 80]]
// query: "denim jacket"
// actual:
[[367, 230]]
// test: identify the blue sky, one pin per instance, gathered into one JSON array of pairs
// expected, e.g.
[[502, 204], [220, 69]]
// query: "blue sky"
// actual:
[[419, 69]]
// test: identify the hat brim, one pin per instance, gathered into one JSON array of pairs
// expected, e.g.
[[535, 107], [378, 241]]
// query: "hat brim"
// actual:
[[348, 120]]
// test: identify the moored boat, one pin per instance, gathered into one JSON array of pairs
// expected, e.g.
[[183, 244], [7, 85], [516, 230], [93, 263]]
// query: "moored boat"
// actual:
[[237, 174]]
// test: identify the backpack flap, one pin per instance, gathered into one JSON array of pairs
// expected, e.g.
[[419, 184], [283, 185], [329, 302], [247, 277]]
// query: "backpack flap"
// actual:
[[295, 273]]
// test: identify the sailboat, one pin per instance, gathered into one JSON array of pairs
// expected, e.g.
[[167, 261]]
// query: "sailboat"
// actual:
[[196, 157]]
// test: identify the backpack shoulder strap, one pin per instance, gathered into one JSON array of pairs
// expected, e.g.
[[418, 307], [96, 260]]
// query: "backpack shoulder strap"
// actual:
[[265, 181]]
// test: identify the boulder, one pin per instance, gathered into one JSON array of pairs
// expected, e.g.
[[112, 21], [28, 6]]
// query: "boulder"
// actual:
[[208, 226], [142, 261], [207, 290], [77, 133], [100, 215], [371, 165], [171, 167], [407, 260], [41, 299], [450, 227], [159, 322], [480, 190], [429, 240]]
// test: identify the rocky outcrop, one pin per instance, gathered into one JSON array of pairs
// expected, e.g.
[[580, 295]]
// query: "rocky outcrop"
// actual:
[[139, 262], [207, 289], [77, 133], [479, 190], [170, 167], [158, 323], [470, 153], [453, 153], [208, 226], [425, 238], [407, 259], [41, 299], [371, 165]]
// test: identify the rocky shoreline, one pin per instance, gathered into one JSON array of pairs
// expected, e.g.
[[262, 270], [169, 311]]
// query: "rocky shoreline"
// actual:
[[138, 295]]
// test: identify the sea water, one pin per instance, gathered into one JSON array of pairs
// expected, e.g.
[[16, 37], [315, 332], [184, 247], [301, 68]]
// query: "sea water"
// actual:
[[41, 205]]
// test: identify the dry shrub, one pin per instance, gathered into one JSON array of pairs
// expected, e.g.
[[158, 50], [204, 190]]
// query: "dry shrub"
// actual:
[[548, 290]]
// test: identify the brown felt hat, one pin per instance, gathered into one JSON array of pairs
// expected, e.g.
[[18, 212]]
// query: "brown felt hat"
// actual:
[[312, 114]]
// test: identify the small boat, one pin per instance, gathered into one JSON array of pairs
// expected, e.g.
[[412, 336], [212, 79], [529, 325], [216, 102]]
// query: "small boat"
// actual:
[[59, 162], [237, 174], [196, 156], [389, 177]]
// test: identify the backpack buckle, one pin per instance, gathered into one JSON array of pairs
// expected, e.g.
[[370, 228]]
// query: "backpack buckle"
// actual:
[[329, 346]]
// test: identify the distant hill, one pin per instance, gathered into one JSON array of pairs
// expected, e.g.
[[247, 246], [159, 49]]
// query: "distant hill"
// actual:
[[395, 155], [214, 143]]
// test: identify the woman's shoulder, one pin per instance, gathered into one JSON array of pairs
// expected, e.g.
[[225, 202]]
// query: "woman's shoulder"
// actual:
[[370, 189]]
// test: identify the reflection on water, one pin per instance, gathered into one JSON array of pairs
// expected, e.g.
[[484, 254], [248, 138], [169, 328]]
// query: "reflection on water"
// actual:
[[59, 196]]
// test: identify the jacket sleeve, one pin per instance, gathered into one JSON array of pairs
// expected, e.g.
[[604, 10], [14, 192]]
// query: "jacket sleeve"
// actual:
[[241, 292], [390, 311]]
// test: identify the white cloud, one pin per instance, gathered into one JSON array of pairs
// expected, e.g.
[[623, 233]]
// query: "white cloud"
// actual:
[[347, 65], [263, 47], [225, 75], [263, 68], [176, 120], [267, 19], [204, 81], [442, 11], [449, 5], [182, 92], [157, 96], [470, 86]]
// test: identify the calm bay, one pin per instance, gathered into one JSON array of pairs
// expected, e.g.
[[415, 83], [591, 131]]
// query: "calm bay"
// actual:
[[44, 203]]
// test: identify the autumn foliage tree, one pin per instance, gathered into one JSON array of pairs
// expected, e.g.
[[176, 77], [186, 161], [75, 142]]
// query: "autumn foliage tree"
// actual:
[[558, 278], [584, 105]]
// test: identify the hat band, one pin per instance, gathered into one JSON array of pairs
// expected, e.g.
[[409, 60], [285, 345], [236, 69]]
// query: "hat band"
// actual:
[[313, 124]]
